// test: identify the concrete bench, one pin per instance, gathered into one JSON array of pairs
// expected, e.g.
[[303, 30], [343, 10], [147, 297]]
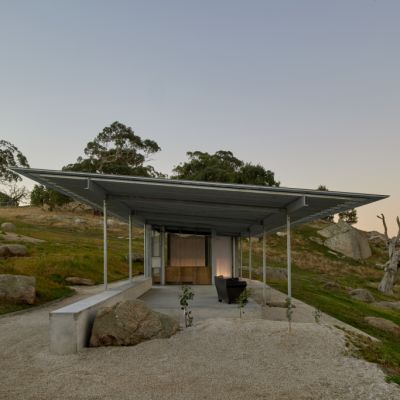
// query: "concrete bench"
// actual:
[[70, 326]]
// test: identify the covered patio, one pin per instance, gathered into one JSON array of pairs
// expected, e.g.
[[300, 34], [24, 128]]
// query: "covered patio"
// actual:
[[193, 231]]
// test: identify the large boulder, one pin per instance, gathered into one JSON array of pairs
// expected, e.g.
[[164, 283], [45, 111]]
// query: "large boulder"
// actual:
[[76, 280], [128, 323], [377, 239], [13, 250], [8, 227], [384, 325], [346, 239], [362, 295], [18, 288]]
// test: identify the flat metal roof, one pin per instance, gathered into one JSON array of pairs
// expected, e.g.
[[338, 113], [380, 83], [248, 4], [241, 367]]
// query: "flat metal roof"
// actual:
[[191, 206]]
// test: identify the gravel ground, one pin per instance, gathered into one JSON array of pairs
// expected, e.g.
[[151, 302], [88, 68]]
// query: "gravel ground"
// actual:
[[217, 358]]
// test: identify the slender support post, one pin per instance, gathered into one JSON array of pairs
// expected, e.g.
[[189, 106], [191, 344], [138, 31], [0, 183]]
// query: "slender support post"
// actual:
[[250, 260], [264, 259], [144, 250], [148, 252], [162, 255], [289, 257], [213, 258], [130, 247], [264, 250], [241, 257], [234, 270], [105, 246]]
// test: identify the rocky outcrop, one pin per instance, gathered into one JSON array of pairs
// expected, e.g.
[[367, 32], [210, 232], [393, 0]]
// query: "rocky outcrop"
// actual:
[[76, 280], [13, 250], [331, 285], [362, 295], [391, 305], [13, 237], [128, 323], [384, 325], [347, 240], [18, 288], [8, 227], [377, 239]]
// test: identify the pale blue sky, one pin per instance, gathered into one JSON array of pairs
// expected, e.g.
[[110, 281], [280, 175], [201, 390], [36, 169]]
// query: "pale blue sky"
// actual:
[[309, 89]]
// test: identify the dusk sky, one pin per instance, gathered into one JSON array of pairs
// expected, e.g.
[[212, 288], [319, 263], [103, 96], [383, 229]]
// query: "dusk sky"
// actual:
[[309, 89]]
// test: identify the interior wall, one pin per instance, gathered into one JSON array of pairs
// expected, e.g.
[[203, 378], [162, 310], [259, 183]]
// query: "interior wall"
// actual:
[[223, 256], [187, 251]]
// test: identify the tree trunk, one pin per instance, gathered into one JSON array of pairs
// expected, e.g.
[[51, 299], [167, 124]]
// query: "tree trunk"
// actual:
[[389, 277]]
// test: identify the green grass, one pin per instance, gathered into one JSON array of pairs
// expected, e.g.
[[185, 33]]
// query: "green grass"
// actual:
[[67, 252]]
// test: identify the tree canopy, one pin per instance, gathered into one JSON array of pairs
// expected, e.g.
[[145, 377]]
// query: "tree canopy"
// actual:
[[223, 167], [117, 150], [10, 156], [349, 216], [41, 196]]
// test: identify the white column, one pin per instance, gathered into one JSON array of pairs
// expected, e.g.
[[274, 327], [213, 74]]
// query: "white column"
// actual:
[[162, 256], [264, 249], [105, 246], [147, 251], [289, 257], [130, 246], [234, 274], [241, 257], [250, 260], [264, 258], [144, 249], [213, 259]]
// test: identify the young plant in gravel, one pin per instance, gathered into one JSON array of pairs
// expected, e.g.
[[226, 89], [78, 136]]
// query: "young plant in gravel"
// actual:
[[184, 298], [242, 300], [289, 312], [317, 315]]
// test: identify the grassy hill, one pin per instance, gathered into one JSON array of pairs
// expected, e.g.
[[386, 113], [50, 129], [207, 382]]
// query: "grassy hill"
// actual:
[[73, 247]]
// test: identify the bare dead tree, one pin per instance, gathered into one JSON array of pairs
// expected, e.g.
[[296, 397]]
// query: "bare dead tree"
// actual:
[[392, 265], [14, 192]]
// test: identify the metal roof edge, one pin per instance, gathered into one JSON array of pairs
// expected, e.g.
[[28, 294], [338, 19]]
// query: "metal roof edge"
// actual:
[[198, 184]]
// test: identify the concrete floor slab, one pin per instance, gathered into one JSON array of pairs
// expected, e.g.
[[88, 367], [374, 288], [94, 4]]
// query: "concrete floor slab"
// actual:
[[205, 303]]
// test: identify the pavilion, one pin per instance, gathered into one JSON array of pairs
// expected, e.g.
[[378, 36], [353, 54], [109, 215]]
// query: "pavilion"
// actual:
[[193, 230]]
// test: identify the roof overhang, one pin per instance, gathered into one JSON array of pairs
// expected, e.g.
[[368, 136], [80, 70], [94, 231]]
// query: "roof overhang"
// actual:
[[189, 206]]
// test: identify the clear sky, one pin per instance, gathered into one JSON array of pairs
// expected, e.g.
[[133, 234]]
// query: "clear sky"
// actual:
[[308, 88]]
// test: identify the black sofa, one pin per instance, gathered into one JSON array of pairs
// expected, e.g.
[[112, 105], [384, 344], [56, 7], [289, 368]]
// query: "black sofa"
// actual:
[[229, 289]]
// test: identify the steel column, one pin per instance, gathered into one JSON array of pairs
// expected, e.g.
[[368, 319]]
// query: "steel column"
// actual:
[[162, 255], [148, 253], [250, 260], [105, 246], [234, 274], [241, 257], [264, 258], [213, 258], [130, 246], [289, 257]]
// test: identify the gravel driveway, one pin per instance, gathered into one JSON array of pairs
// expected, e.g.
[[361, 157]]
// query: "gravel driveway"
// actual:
[[218, 358]]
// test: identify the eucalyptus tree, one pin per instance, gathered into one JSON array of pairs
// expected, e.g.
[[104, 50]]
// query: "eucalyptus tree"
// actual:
[[224, 167], [10, 156], [117, 150], [11, 191]]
